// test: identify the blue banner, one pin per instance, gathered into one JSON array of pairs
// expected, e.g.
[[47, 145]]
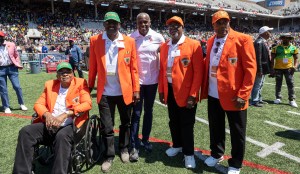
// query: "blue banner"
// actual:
[[275, 3]]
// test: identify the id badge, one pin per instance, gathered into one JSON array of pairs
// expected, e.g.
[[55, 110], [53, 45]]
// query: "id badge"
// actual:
[[111, 70], [213, 71], [285, 60], [169, 72]]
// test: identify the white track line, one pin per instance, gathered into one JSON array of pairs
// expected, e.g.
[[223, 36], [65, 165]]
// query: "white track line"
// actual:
[[281, 126], [275, 84], [296, 113], [255, 142]]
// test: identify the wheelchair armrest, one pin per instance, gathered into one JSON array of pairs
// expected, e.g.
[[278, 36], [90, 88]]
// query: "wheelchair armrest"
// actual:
[[35, 115]]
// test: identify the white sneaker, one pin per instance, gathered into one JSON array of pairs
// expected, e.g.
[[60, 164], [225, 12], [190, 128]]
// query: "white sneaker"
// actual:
[[211, 161], [7, 111], [277, 101], [233, 170], [173, 151], [293, 104], [23, 107], [189, 162]]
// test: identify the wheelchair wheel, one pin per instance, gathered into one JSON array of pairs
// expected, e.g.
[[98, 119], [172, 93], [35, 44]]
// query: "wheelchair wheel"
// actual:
[[93, 141]]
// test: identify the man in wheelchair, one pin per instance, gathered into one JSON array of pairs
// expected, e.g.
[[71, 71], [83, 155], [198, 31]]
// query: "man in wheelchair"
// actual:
[[62, 99]]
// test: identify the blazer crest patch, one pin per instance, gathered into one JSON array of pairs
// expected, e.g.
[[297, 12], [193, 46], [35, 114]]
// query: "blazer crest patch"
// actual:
[[127, 60], [76, 100], [185, 61], [232, 61]]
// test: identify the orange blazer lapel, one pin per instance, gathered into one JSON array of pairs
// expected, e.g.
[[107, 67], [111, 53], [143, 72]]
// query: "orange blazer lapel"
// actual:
[[101, 48]]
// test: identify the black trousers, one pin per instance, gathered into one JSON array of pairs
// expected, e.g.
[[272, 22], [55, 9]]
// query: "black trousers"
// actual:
[[37, 133], [181, 124], [289, 79], [237, 123], [76, 65], [107, 107]]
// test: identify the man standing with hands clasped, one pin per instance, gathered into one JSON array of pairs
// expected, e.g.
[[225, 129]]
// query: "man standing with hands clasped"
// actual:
[[180, 78], [113, 59], [230, 70]]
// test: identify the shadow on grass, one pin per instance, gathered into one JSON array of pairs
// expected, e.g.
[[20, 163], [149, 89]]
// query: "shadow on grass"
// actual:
[[158, 154], [289, 134]]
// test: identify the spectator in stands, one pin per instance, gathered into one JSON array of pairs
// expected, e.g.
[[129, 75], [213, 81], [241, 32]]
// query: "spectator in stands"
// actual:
[[285, 57], [147, 43], [263, 62], [113, 59], [9, 64], [180, 78], [75, 57], [59, 102], [229, 77], [44, 49]]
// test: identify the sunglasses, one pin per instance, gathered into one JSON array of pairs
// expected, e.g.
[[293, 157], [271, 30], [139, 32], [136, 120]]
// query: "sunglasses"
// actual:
[[64, 72], [174, 26], [217, 48]]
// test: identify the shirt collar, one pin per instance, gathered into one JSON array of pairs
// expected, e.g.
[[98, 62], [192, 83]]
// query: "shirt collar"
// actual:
[[105, 37], [181, 40], [149, 34]]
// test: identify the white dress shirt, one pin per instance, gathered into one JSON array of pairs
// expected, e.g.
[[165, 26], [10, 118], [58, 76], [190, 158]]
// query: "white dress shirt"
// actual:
[[172, 53], [112, 86], [60, 106], [147, 55], [214, 61]]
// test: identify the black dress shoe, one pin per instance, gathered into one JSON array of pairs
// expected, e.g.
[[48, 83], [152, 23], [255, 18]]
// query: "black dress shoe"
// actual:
[[263, 102], [257, 104]]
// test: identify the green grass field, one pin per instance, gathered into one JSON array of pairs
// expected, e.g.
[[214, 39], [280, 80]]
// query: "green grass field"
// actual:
[[260, 134]]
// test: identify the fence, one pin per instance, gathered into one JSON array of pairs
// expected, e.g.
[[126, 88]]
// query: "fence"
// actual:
[[44, 59]]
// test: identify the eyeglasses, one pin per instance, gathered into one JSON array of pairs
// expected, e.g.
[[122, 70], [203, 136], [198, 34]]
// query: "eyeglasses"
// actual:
[[174, 26], [64, 72], [217, 48]]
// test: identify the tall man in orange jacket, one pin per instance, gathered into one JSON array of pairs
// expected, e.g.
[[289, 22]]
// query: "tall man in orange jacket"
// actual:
[[113, 59], [230, 70], [180, 78], [62, 99]]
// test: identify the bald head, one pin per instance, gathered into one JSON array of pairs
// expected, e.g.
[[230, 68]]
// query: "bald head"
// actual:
[[143, 15], [143, 23]]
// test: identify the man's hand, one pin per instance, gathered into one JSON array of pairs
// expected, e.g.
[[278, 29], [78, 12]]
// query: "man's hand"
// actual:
[[136, 97], [239, 102], [191, 101], [48, 120], [292, 70], [161, 98], [57, 121]]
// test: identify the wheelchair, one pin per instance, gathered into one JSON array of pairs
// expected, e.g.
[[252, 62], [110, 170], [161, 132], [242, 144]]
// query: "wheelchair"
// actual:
[[86, 149]]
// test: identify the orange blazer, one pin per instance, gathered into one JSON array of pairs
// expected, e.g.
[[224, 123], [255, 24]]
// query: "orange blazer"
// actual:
[[78, 99], [127, 67], [236, 76], [187, 71]]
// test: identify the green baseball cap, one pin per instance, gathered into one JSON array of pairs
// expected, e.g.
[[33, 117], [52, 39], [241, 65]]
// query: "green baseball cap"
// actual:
[[112, 16], [63, 65]]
